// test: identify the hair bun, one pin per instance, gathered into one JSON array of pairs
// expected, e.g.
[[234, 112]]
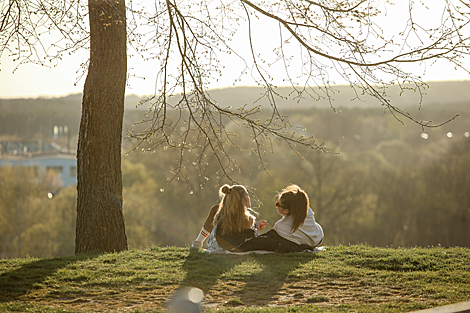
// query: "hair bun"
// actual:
[[226, 189]]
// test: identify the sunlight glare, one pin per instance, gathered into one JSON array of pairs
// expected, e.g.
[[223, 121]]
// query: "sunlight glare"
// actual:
[[195, 295]]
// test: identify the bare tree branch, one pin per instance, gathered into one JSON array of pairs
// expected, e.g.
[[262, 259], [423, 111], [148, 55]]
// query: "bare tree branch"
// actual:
[[190, 40]]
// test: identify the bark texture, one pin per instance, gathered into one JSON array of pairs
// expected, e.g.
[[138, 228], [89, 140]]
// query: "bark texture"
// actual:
[[100, 221]]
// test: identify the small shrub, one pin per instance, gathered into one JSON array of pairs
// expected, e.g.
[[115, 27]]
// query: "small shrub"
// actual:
[[234, 302], [317, 299]]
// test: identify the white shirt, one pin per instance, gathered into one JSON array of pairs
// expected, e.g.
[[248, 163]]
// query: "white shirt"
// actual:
[[310, 232]]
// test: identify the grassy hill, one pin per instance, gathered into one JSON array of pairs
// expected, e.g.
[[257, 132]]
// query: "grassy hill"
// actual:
[[340, 279]]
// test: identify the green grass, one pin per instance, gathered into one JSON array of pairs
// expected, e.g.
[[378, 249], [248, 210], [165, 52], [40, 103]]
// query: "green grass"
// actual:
[[340, 279]]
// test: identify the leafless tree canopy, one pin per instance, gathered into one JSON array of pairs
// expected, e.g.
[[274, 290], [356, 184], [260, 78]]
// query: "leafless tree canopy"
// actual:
[[341, 37], [42, 32], [189, 39]]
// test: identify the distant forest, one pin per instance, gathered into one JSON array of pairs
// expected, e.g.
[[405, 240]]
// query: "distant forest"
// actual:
[[342, 96], [385, 183], [28, 119]]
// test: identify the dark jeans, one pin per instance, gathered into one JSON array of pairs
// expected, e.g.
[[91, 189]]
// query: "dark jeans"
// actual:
[[231, 242], [271, 241]]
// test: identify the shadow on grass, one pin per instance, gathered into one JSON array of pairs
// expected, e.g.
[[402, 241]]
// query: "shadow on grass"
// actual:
[[31, 275], [264, 286], [258, 287], [197, 264]]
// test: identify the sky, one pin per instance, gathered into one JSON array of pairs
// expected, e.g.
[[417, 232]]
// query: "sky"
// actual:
[[30, 80]]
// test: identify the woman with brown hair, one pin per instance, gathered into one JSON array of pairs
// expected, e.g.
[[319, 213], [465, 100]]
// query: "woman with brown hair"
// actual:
[[298, 222]]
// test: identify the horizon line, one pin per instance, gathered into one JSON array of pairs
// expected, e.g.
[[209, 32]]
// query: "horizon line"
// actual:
[[55, 96]]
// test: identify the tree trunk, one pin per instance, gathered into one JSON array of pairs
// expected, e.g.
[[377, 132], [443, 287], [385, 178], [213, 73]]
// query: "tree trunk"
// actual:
[[100, 221]]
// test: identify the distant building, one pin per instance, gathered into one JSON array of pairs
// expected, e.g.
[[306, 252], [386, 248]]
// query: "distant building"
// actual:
[[65, 165], [17, 147]]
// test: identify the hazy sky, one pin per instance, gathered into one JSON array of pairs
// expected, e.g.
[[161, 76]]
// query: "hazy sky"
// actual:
[[31, 80]]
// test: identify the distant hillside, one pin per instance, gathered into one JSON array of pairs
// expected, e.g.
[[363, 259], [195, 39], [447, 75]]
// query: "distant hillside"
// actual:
[[36, 117], [344, 96], [341, 95]]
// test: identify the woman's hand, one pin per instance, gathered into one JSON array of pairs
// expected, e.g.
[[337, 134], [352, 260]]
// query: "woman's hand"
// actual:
[[261, 224]]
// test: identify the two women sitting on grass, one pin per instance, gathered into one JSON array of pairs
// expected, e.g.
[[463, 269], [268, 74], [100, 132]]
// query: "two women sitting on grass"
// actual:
[[231, 225]]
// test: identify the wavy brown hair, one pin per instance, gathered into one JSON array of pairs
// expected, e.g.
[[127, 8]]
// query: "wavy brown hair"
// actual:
[[296, 201], [233, 216]]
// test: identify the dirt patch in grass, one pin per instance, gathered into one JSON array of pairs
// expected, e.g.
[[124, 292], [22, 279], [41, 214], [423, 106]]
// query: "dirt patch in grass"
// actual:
[[322, 292]]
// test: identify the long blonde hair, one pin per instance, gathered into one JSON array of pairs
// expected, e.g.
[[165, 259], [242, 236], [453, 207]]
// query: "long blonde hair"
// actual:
[[233, 216]]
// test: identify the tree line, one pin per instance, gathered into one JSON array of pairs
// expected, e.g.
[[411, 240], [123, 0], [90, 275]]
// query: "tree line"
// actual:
[[30, 120], [380, 183]]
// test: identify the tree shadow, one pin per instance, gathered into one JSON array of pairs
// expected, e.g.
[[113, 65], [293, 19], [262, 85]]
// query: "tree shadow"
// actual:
[[264, 286], [196, 265], [258, 288], [31, 275]]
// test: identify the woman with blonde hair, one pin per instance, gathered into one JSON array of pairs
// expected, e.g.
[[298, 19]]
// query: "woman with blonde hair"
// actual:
[[232, 222]]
